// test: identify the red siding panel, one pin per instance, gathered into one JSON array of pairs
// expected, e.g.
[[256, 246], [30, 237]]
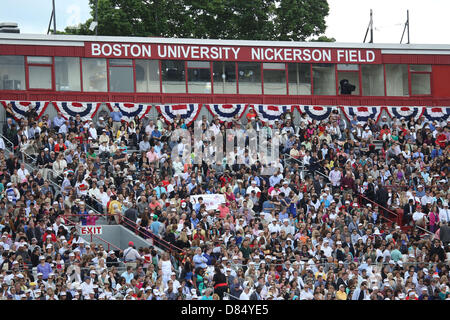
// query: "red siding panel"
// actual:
[[416, 59], [441, 81]]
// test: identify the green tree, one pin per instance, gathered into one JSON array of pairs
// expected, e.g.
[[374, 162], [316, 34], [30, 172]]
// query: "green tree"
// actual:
[[294, 20], [323, 39], [297, 20]]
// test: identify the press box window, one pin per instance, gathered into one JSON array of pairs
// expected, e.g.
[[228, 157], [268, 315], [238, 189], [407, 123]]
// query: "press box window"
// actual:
[[249, 77], [94, 75], [348, 79], [12, 73], [147, 75], [324, 79], [420, 79], [199, 76], [121, 75], [372, 80], [173, 76], [397, 80], [299, 75], [67, 74], [224, 77], [274, 78], [39, 72]]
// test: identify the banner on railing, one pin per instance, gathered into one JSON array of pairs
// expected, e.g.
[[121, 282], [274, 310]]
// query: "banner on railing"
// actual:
[[188, 112], [269, 113], [317, 113], [211, 201], [227, 112], [129, 110], [406, 113], [363, 114], [20, 108], [436, 113], [86, 110]]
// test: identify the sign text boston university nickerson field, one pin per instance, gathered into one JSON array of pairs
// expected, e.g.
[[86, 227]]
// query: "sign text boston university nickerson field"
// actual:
[[231, 53]]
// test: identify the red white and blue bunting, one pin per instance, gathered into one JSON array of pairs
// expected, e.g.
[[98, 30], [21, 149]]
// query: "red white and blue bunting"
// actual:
[[21, 107], [436, 113], [86, 110], [270, 113], [363, 114], [226, 112], [129, 110], [188, 112], [317, 113], [406, 113]]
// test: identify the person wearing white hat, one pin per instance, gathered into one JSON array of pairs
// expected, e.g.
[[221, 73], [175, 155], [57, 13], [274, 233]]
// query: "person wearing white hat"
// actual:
[[44, 268]]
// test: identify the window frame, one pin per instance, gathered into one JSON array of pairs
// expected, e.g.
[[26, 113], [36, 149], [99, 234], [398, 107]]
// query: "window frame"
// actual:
[[336, 89], [410, 73], [210, 67], [52, 73], [275, 69], [349, 71], [80, 61], [133, 68], [261, 78]]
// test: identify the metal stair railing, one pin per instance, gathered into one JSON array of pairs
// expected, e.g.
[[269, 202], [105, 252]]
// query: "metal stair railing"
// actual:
[[147, 234], [397, 216], [31, 167]]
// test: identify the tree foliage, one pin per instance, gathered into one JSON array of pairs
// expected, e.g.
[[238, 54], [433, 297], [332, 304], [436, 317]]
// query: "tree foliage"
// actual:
[[292, 20]]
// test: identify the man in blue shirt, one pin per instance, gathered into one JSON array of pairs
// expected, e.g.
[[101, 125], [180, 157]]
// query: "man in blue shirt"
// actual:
[[128, 275], [154, 227], [156, 135], [437, 152], [160, 190], [116, 117], [194, 220], [58, 121]]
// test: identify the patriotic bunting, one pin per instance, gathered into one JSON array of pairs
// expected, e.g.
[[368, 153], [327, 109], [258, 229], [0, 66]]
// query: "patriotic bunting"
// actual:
[[363, 114], [21, 107], [188, 112], [316, 112], [406, 113], [270, 113], [86, 110], [129, 110], [226, 112], [436, 113]]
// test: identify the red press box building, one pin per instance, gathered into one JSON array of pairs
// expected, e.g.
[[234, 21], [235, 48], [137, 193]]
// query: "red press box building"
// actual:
[[170, 71]]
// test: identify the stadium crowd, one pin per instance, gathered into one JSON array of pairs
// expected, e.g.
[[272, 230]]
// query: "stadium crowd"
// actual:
[[322, 226]]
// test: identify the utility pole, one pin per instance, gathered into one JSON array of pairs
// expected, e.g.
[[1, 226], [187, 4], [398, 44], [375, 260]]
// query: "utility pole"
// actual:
[[370, 27]]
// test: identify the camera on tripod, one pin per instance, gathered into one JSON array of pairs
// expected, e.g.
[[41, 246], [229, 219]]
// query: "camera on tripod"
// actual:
[[346, 87]]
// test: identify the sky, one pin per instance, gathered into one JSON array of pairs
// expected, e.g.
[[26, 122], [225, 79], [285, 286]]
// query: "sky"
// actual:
[[347, 20]]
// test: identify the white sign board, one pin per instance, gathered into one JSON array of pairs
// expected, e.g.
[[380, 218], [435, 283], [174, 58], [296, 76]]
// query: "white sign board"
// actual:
[[211, 201], [87, 230]]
